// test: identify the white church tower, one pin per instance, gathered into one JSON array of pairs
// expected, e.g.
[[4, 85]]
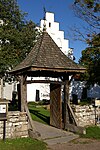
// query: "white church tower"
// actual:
[[52, 27]]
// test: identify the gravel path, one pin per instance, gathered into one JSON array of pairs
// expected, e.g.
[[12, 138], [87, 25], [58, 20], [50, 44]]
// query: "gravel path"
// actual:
[[78, 144]]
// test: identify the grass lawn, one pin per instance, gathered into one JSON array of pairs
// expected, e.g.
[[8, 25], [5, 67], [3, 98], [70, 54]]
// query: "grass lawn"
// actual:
[[39, 113], [22, 144], [92, 132]]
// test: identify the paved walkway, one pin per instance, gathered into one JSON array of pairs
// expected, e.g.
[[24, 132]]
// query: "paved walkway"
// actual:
[[52, 135]]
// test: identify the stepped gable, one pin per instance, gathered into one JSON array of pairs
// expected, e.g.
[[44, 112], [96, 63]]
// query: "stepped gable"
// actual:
[[47, 55]]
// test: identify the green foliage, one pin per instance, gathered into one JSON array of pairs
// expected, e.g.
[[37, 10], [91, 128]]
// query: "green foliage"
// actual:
[[44, 102], [91, 4], [16, 34], [10, 13], [91, 59], [92, 132], [22, 143], [86, 102], [13, 105]]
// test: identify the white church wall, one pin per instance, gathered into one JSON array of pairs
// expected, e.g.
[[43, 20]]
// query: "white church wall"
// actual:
[[65, 43], [43, 89], [1, 22], [51, 27], [8, 90], [49, 16]]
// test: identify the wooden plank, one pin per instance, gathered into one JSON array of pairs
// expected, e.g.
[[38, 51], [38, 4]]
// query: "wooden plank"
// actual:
[[82, 70], [33, 133], [72, 113], [55, 105]]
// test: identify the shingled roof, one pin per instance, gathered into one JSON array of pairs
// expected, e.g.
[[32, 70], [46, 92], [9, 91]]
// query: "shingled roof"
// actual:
[[46, 55]]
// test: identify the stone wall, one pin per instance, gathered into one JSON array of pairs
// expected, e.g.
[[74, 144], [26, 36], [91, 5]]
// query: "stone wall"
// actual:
[[86, 115], [16, 125]]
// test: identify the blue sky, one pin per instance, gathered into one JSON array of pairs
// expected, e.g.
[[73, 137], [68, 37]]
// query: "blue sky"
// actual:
[[63, 14]]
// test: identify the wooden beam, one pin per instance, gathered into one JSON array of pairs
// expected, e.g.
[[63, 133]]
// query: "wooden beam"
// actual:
[[43, 81], [80, 70]]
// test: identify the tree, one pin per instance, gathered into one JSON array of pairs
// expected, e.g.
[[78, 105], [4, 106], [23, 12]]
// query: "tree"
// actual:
[[88, 11], [17, 36], [91, 60]]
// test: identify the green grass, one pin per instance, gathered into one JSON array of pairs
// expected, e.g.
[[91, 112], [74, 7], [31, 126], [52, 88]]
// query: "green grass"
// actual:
[[87, 101], [22, 144], [39, 113], [92, 132]]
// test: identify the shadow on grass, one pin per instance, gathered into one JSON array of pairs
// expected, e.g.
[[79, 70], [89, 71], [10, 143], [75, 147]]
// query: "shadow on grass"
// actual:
[[37, 113]]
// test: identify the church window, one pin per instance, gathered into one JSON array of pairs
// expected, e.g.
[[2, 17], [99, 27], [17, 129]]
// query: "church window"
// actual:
[[49, 24]]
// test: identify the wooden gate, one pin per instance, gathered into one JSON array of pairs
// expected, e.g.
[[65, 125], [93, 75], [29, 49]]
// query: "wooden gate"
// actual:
[[55, 105]]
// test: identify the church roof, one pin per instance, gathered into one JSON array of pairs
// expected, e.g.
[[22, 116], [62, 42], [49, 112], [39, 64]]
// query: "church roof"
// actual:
[[46, 55]]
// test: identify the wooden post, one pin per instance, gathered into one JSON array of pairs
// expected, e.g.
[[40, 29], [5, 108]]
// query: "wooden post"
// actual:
[[4, 129], [66, 99], [23, 87], [2, 96], [24, 108]]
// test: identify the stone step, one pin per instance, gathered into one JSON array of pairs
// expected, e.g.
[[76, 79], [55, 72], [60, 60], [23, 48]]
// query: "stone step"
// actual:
[[60, 140]]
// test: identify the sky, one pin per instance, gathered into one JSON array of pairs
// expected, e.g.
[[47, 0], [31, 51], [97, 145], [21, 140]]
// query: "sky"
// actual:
[[63, 14]]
